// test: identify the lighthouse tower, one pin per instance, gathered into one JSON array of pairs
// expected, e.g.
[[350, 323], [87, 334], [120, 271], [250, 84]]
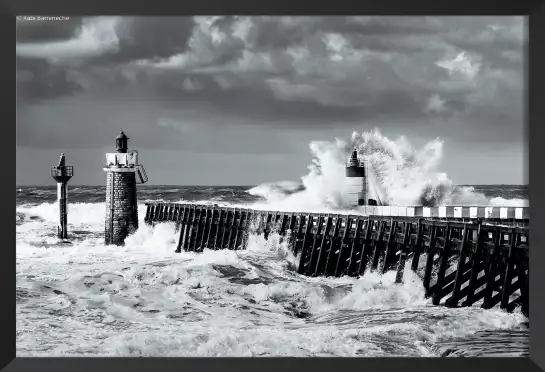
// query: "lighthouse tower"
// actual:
[[357, 183], [121, 170]]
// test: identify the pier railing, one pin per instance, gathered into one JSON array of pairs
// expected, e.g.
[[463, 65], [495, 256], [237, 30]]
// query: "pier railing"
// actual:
[[465, 260]]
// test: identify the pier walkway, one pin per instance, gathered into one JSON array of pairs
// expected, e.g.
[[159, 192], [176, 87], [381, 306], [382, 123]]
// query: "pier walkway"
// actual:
[[469, 255]]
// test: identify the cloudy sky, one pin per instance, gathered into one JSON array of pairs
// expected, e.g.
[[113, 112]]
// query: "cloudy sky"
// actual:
[[236, 100]]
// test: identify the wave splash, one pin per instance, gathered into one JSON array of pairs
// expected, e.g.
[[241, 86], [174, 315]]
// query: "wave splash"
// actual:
[[398, 174]]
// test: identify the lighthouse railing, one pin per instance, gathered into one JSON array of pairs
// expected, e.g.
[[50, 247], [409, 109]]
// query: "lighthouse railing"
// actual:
[[66, 170], [128, 159], [62, 173]]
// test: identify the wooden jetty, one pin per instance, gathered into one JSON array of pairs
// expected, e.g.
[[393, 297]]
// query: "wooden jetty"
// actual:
[[465, 260]]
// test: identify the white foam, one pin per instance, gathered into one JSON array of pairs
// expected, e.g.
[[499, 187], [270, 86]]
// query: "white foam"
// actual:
[[145, 300], [398, 174]]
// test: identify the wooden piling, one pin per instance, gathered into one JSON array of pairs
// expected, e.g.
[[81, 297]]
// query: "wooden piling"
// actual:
[[204, 231], [366, 248], [334, 248], [378, 246], [224, 228], [356, 249], [316, 246], [147, 217], [476, 267], [444, 256], [175, 214], [343, 257], [188, 228], [219, 231], [492, 271], [336, 245], [306, 246], [195, 227], [390, 246], [155, 215], [453, 300], [417, 248], [238, 228], [299, 235], [247, 224], [403, 252], [284, 235], [431, 249], [509, 271], [235, 216], [288, 227], [323, 248], [267, 227], [524, 296]]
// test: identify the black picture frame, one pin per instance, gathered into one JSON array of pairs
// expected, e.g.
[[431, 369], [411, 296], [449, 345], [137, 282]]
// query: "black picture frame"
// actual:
[[535, 10]]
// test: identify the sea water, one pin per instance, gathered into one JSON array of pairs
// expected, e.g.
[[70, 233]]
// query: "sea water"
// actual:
[[83, 298]]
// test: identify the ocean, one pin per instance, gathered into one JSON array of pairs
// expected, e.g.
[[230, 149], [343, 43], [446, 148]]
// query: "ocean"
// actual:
[[88, 299]]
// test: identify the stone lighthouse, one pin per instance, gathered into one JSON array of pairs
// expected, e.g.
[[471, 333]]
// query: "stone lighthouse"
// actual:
[[121, 170]]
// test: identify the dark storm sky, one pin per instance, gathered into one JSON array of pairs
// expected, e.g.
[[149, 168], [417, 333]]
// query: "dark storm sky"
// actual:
[[236, 100]]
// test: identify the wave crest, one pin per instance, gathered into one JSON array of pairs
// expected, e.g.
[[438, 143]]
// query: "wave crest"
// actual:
[[398, 174]]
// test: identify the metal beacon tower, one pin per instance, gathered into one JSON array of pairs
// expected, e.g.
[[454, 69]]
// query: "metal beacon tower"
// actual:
[[62, 173]]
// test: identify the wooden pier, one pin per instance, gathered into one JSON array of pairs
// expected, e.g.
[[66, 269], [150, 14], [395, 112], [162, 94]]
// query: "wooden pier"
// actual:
[[465, 261]]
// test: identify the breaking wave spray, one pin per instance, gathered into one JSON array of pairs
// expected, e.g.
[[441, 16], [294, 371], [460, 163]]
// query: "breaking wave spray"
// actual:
[[397, 173]]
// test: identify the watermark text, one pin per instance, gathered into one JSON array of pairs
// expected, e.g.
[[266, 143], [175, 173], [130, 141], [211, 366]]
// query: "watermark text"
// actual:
[[43, 18]]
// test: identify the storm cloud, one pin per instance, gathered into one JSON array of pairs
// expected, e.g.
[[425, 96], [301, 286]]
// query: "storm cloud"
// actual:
[[227, 83]]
